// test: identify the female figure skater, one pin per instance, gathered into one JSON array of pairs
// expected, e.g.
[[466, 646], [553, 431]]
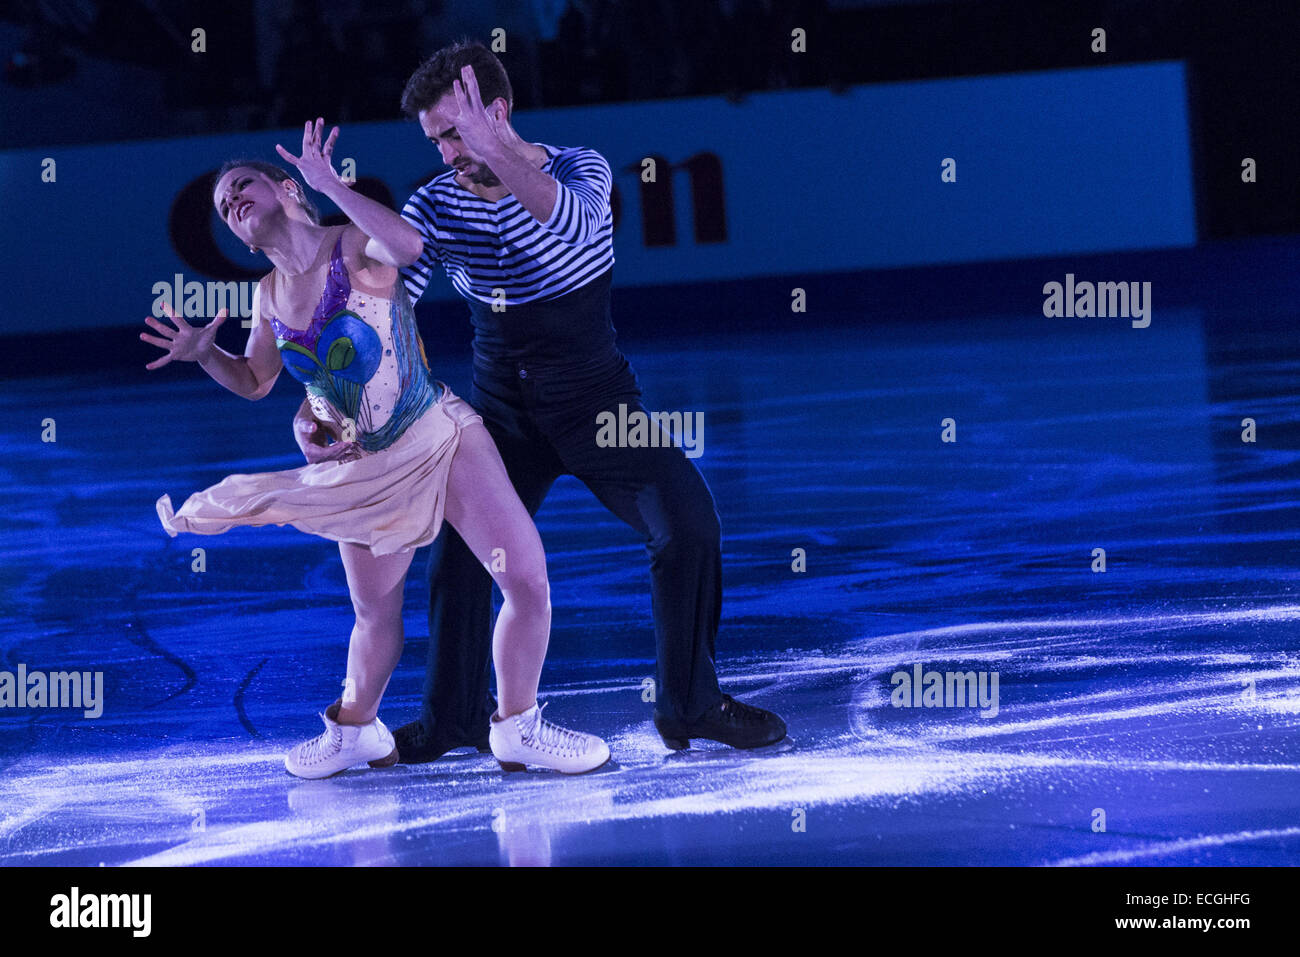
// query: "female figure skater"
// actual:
[[335, 313]]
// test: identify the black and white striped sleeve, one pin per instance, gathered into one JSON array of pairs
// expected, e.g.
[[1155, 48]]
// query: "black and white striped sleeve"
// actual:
[[419, 212], [582, 200]]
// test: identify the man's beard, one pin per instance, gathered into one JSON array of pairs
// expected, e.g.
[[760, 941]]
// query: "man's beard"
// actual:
[[480, 175]]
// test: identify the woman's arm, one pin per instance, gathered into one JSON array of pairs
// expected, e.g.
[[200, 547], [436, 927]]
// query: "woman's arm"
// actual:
[[254, 373], [250, 375], [393, 241]]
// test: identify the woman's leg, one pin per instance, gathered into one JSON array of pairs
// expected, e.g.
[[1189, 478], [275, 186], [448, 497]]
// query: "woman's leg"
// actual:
[[485, 510], [375, 582]]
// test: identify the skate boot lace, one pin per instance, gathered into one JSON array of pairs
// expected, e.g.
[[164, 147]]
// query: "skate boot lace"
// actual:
[[553, 739], [325, 745], [738, 712]]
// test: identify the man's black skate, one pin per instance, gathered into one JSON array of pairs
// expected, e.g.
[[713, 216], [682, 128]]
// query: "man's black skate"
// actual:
[[414, 747], [729, 721]]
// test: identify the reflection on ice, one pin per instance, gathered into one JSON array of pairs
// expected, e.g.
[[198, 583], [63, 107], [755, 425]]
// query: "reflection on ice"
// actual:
[[1087, 720]]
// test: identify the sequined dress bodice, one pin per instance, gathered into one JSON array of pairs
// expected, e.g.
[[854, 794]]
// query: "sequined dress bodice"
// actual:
[[361, 359]]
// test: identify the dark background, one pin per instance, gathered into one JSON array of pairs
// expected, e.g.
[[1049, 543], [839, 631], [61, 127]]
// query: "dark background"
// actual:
[[269, 64]]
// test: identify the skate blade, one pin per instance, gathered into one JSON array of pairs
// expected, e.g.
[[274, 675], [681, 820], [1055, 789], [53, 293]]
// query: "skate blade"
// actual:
[[509, 766], [715, 752]]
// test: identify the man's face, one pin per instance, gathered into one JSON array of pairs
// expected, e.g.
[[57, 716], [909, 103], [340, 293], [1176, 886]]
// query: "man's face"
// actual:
[[439, 125]]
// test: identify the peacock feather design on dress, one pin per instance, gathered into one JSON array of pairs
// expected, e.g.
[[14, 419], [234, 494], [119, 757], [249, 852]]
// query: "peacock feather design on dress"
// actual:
[[339, 353]]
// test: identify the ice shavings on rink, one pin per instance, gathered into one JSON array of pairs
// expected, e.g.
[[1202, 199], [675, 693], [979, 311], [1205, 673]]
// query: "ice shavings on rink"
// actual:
[[853, 759]]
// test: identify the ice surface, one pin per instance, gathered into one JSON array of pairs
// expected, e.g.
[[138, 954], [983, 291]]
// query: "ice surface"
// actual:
[[1164, 693]]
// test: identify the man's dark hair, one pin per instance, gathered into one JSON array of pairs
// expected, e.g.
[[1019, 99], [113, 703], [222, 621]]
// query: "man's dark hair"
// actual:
[[434, 77], [277, 174]]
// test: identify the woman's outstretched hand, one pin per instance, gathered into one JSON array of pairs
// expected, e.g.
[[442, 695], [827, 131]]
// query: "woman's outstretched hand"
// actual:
[[185, 343], [315, 163]]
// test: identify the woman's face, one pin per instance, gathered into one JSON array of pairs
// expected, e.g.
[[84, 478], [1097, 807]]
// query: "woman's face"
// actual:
[[246, 199]]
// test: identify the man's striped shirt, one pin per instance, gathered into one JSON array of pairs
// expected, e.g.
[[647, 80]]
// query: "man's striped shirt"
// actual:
[[486, 245]]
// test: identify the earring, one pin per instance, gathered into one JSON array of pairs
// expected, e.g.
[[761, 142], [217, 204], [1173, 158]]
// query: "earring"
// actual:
[[253, 250]]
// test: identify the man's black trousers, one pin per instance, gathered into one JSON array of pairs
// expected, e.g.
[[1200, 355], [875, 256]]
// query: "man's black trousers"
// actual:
[[544, 425]]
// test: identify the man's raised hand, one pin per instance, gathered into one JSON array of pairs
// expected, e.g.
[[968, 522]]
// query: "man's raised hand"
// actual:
[[477, 125]]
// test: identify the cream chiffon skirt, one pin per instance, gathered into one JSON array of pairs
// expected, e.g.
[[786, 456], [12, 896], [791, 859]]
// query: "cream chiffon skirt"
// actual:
[[391, 501]]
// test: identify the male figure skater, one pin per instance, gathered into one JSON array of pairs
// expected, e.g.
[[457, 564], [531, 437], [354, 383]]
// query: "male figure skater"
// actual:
[[524, 231]]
